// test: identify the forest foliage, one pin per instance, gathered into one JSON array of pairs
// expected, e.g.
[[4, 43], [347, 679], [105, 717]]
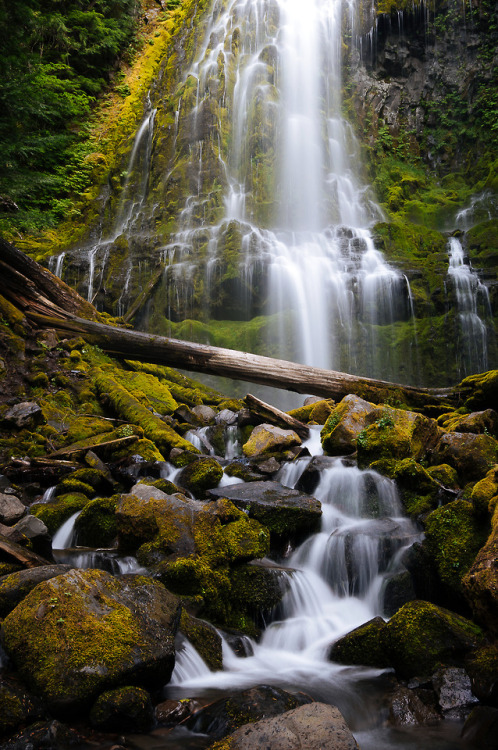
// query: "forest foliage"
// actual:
[[56, 58]]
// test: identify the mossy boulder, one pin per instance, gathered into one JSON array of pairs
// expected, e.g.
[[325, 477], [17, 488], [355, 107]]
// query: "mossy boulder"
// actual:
[[480, 584], [421, 636], [71, 485], [267, 439], [124, 709], [200, 476], [482, 390], [15, 586], [419, 491], [96, 525], [484, 494], [445, 474], [315, 413], [479, 422], [453, 537], [345, 423], [471, 455], [204, 638], [54, 514], [363, 645], [85, 631], [483, 671], [396, 434]]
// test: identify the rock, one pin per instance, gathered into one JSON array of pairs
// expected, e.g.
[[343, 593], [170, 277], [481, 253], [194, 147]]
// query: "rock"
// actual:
[[266, 438], [205, 414], [30, 530], [480, 585], [14, 587], [363, 645], [56, 512], [226, 417], [242, 708], [310, 478], [478, 422], [481, 728], [285, 512], [85, 631], [346, 421], [11, 509], [125, 709], [316, 726], [421, 636], [204, 638], [398, 589], [173, 712], [396, 434], [46, 736], [471, 455], [454, 692], [200, 476], [483, 388], [419, 491], [96, 524], [406, 708], [17, 706], [483, 672], [24, 415], [484, 496], [268, 466]]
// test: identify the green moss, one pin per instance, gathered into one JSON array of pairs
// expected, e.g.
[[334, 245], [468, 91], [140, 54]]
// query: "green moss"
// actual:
[[55, 513], [96, 525], [205, 640], [445, 474], [146, 449], [480, 390], [201, 475], [453, 538], [484, 491], [362, 645], [123, 709], [73, 485]]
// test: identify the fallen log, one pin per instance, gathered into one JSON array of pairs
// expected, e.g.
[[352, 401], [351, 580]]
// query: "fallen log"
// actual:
[[24, 556], [238, 365], [277, 417]]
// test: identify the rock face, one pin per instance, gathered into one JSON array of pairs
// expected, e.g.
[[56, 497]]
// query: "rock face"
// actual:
[[280, 509], [316, 726], [83, 632]]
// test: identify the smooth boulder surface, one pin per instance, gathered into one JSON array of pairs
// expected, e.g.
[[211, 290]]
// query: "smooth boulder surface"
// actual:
[[316, 726], [85, 631], [266, 438]]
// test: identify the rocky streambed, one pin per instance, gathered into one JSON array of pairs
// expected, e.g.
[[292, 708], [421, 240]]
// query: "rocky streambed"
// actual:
[[223, 570]]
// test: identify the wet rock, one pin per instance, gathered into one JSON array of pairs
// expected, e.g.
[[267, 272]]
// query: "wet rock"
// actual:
[[85, 631], [226, 417], [204, 638], [24, 415], [173, 712], [363, 645], [14, 587], [285, 512], [315, 727], [406, 708], [241, 708], [310, 478], [17, 706], [45, 736], [421, 636], [398, 589], [205, 414], [200, 475], [346, 421], [30, 530], [266, 438], [483, 672], [396, 434], [11, 509], [125, 709], [268, 466], [471, 455], [454, 692], [481, 728]]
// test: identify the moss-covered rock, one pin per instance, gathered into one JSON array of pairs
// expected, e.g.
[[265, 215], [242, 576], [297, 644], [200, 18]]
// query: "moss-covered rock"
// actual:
[[85, 631], [444, 474], [471, 455], [419, 491], [453, 537], [96, 525], [394, 433], [345, 423], [481, 582], [70, 485], [484, 492], [363, 645], [124, 709], [421, 636], [481, 390], [479, 422], [15, 586], [55, 513], [483, 671], [267, 439], [200, 476], [316, 413], [205, 639], [17, 706]]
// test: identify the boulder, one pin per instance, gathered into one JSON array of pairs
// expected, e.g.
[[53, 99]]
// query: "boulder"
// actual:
[[11, 509], [242, 708], [316, 726], [454, 691], [199, 476], [14, 587], [363, 645], [204, 638], [481, 727], [96, 524], [124, 709], [483, 672], [419, 490], [406, 709], [284, 511], [396, 434], [50, 735], [172, 712], [484, 496], [24, 415], [421, 636], [85, 631], [31, 531], [471, 455], [398, 589], [346, 421], [480, 584], [17, 706], [266, 439], [205, 414], [478, 422]]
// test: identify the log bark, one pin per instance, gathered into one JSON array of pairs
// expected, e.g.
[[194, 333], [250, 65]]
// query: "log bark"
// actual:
[[277, 417], [21, 554], [238, 365]]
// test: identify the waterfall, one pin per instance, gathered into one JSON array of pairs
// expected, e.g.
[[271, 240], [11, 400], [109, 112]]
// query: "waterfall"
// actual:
[[473, 307], [293, 222]]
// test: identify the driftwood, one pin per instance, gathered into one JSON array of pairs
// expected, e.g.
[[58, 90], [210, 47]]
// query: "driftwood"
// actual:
[[73, 449], [275, 416], [21, 554]]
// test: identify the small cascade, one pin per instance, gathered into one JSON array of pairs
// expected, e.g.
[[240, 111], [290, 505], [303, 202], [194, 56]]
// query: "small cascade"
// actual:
[[63, 538], [474, 309], [55, 264], [188, 664]]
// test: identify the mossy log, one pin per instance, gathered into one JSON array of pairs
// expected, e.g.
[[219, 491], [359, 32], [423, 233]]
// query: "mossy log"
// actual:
[[239, 365]]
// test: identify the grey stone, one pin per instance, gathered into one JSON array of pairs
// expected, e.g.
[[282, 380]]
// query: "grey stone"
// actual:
[[11, 509], [454, 691], [24, 414]]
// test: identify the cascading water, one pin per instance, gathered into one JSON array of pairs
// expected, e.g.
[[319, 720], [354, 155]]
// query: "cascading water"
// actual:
[[474, 310]]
